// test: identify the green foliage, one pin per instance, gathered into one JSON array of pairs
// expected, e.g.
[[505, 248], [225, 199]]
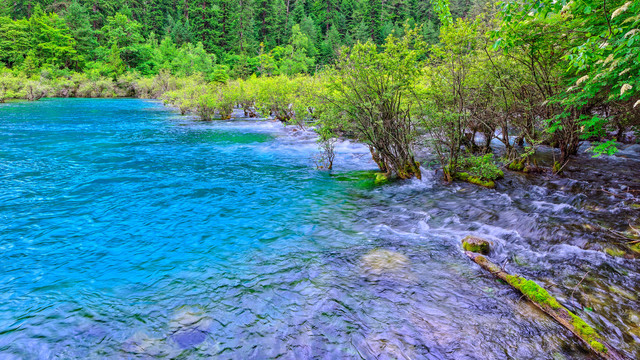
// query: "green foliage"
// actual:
[[14, 41], [226, 28], [276, 96], [51, 40], [446, 92], [482, 167], [371, 93], [442, 9], [600, 62]]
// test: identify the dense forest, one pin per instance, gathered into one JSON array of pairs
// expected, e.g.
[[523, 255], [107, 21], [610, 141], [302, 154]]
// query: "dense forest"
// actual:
[[234, 32], [453, 75]]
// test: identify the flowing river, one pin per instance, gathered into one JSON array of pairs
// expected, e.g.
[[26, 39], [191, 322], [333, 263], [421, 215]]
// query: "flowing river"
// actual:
[[129, 231]]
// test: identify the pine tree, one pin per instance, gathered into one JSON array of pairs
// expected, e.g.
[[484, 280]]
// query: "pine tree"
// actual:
[[277, 24], [243, 34], [77, 18], [203, 18]]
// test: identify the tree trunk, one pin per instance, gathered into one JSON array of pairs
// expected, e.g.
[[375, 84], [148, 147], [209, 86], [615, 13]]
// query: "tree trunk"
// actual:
[[543, 301]]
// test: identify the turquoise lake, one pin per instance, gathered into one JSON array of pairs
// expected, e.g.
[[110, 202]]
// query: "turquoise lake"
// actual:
[[128, 231]]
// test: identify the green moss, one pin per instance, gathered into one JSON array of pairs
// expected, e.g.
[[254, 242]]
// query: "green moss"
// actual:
[[363, 179], [583, 328], [381, 178], [615, 252], [516, 165], [533, 291], [598, 346], [539, 295], [475, 180], [482, 261], [587, 333], [557, 167], [475, 245], [476, 248]]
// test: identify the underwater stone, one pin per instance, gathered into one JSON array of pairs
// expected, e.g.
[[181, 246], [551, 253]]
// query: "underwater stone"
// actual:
[[476, 245], [381, 261], [189, 338], [622, 292], [189, 326], [142, 343]]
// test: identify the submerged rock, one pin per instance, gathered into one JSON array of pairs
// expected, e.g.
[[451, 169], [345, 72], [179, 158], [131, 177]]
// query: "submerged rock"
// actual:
[[382, 262], [367, 179], [189, 326], [622, 292], [142, 344], [634, 317], [389, 346], [476, 245]]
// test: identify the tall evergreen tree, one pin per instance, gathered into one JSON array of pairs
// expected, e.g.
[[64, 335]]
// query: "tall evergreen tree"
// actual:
[[203, 17], [77, 18], [243, 35]]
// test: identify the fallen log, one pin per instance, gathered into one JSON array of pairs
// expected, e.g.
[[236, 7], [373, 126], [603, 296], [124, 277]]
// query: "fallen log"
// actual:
[[547, 303]]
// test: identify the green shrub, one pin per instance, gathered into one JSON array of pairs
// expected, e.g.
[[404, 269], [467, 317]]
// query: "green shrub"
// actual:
[[483, 167]]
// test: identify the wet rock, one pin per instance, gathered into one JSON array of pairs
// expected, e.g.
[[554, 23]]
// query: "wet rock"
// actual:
[[635, 148], [476, 245], [142, 344], [558, 356], [634, 317], [189, 326], [382, 262]]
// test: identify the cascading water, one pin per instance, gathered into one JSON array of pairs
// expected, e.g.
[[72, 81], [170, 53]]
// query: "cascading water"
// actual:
[[128, 231]]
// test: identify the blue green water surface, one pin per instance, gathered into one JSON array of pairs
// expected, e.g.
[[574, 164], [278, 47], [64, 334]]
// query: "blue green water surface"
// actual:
[[115, 215], [129, 231]]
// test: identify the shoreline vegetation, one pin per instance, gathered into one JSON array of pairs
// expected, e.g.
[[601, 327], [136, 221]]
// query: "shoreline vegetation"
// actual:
[[523, 74]]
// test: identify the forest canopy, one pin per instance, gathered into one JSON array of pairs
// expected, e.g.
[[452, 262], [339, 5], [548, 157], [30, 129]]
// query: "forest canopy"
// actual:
[[245, 36]]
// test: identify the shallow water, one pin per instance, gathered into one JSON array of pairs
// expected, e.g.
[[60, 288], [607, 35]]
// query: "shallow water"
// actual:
[[128, 231]]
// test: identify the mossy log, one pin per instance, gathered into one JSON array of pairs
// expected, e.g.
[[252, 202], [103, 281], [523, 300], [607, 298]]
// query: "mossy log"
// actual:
[[547, 303], [463, 176]]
